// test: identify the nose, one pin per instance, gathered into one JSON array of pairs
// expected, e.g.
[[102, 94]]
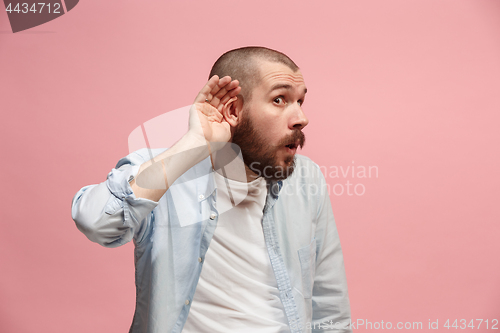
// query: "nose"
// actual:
[[298, 119]]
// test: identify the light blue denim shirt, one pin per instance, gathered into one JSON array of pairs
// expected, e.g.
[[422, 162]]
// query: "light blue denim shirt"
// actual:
[[172, 236]]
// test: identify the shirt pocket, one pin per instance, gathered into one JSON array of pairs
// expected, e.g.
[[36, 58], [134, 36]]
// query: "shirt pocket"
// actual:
[[307, 257]]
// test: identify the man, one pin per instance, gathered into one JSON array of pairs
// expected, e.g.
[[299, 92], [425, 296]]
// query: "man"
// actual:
[[220, 248]]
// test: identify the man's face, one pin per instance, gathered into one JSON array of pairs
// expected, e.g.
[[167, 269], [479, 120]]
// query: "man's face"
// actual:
[[270, 130]]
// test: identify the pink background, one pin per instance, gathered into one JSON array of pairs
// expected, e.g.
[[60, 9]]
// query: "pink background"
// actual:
[[411, 87]]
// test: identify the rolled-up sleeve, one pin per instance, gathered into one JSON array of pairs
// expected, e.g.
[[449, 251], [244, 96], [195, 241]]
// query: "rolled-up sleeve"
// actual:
[[331, 308], [109, 213]]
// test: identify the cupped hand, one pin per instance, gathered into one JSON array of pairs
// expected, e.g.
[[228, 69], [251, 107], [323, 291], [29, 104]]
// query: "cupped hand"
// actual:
[[206, 121]]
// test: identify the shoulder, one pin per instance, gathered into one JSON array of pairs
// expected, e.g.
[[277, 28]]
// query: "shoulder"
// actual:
[[304, 160], [306, 188], [306, 169]]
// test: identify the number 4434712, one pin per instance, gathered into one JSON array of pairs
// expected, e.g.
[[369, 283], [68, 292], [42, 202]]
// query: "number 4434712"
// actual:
[[462, 324], [36, 8]]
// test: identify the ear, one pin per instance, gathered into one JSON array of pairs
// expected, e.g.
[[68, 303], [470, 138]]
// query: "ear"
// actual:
[[232, 110]]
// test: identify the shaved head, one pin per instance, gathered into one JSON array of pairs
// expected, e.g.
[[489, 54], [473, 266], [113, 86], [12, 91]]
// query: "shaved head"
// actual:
[[242, 65]]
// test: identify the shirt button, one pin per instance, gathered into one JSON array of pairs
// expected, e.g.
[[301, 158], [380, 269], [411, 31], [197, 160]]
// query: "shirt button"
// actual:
[[187, 302], [201, 197], [200, 259], [212, 216]]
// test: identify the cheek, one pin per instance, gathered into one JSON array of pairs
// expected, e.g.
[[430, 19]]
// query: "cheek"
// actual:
[[273, 134], [269, 124]]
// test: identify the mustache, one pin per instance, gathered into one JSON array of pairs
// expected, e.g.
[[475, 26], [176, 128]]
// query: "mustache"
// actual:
[[297, 135]]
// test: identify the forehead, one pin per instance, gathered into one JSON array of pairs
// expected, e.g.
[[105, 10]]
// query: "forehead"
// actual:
[[274, 73]]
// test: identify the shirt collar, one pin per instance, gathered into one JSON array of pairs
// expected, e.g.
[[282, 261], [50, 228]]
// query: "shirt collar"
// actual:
[[274, 187]]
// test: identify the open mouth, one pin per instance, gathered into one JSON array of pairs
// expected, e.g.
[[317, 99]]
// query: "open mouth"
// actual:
[[293, 145]]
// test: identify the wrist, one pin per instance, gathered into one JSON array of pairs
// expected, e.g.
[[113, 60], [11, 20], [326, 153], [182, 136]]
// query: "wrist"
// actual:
[[194, 139]]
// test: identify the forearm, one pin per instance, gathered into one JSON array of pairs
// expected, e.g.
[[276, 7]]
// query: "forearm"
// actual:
[[206, 124], [159, 173], [114, 212]]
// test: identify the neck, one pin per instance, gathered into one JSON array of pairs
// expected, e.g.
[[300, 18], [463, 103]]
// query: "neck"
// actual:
[[251, 176], [228, 163]]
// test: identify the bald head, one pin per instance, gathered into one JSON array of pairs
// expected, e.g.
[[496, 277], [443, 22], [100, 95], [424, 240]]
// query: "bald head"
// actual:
[[243, 65]]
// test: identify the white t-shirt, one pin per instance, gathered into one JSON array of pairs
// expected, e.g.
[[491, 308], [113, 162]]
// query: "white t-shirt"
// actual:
[[237, 290]]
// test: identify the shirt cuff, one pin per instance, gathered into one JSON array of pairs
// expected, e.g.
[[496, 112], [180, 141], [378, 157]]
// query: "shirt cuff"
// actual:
[[134, 209]]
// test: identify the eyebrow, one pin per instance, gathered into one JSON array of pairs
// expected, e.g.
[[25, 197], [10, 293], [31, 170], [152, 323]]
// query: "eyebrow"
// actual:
[[284, 86]]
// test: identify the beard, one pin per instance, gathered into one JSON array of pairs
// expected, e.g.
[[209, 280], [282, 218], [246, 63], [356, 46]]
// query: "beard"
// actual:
[[259, 155]]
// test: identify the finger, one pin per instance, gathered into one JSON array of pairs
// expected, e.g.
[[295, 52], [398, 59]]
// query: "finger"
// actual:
[[205, 91], [220, 97], [234, 84], [230, 94], [215, 101], [222, 82], [223, 106]]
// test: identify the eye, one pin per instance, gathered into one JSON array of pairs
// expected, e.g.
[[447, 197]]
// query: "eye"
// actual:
[[279, 100]]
